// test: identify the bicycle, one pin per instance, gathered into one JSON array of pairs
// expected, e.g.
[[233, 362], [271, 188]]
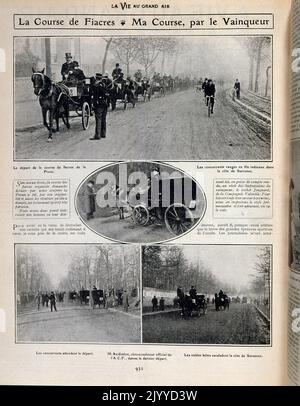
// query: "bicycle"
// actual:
[[209, 104]]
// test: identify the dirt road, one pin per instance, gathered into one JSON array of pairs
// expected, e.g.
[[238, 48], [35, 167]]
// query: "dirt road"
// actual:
[[173, 127], [240, 325], [78, 324]]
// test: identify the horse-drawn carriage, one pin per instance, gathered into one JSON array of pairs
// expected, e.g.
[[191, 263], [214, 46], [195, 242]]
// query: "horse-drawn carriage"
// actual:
[[121, 91], [58, 99], [174, 203], [80, 99], [97, 297], [142, 88], [192, 306]]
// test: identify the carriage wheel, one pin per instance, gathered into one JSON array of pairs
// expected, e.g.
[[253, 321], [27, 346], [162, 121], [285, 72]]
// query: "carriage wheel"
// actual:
[[178, 218], [125, 101], [85, 115], [140, 215]]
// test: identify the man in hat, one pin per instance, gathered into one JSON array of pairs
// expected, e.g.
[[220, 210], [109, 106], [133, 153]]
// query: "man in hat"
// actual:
[[107, 81], [68, 66], [100, 100], [116, 73], [237, 88]]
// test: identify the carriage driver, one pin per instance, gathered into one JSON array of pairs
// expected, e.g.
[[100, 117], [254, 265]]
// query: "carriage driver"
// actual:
[[193, 292], [68, 66], [116, 73]]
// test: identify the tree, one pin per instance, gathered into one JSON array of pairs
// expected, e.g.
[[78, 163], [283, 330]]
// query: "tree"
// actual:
[[126, 50], [108, 43], [149, 49], [261, 278], [31, 275], [25, 60], [255, 46]]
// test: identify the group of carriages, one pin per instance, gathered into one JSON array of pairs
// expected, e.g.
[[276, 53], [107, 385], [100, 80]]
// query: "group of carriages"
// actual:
[[98, 297], [75, 93], [194, 304]]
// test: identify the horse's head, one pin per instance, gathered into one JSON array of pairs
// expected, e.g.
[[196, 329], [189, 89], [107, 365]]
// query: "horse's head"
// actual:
[[38, 81]]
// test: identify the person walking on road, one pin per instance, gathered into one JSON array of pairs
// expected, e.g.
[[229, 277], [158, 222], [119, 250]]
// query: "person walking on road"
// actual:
[[162, 304], [237, 88], [38, 299], [52, 302], [154, 304], [100, 101]]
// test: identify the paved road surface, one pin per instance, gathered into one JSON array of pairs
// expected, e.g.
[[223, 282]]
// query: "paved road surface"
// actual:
[[77, 324], [174, 127], [240, 325]]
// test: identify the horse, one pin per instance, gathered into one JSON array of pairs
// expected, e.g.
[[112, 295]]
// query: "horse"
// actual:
[[120, 90], [142, 88], [192, 306], [157, 86], [53, 101], [221, 301]]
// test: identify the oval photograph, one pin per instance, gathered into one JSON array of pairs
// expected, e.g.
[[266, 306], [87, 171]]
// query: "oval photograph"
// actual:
[[140, 202]]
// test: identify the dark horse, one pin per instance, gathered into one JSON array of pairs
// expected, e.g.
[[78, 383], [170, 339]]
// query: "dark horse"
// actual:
[[191, 306], [53, 101], [121, 91], [221, 302]]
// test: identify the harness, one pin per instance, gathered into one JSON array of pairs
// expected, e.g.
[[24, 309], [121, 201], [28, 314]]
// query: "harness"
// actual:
[[43, 86]]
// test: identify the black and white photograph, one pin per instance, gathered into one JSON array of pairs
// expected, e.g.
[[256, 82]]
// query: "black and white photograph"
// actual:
[[207, 294], [77, 293], [294, 208], [140, 202], [169, 98]]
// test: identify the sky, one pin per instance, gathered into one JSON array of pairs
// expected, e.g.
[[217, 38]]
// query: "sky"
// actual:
[[230, 263], [215, 57]]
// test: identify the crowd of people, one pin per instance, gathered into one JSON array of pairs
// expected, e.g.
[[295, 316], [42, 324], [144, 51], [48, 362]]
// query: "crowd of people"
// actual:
[[41, 299]]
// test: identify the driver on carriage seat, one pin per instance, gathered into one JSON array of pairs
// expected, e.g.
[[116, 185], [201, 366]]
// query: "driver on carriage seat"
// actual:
[[106, 80], [68, 66], [130, 85], [116, 73], [138, 75], [193, 292]]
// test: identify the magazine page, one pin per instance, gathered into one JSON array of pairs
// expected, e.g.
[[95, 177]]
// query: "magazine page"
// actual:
[[294, 250], [145, 171]]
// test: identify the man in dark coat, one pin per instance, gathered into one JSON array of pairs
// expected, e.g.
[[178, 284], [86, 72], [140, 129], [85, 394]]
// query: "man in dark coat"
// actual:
[[116, 72], [52, 302], [162, 304], [204, 84], [154, 303], [90, 197], [100, 100], [210, 91], [193, 292], [237, 88], [68, 66]]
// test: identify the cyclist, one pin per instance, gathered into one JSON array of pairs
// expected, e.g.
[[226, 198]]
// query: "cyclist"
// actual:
[[237, 88], [204, 85], [209, 92]]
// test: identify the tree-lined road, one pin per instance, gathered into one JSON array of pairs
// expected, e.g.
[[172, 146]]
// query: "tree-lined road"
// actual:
[[173, 127], [78, 324], [242, 324]]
